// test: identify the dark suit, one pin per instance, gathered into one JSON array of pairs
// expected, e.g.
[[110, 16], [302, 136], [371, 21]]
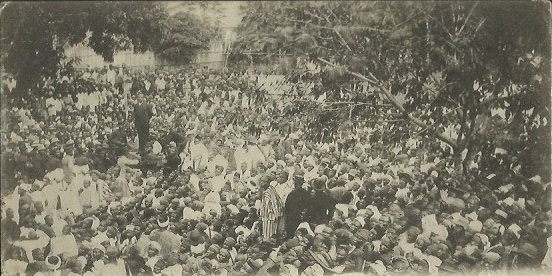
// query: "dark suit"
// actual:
[[137, 86], [297, 202], [142, 116], [322, 207]]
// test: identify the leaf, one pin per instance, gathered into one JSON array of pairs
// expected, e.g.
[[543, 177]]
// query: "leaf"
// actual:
[[400, 98]]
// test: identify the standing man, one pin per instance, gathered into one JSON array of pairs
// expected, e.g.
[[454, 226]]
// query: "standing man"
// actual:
[[322, 204], [296, 207], [111, 75], [271, 209], [142, 116]]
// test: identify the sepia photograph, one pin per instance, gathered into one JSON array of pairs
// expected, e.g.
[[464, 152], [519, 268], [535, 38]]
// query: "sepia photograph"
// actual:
[[297, 138]]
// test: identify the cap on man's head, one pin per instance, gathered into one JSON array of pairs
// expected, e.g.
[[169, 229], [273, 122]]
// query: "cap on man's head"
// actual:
[[299, 176], [163, 221], [53, 262]]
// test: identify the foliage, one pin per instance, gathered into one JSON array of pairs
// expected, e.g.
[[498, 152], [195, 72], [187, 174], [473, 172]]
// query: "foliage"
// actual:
[[184, 34], [34, 34], [469, 74]]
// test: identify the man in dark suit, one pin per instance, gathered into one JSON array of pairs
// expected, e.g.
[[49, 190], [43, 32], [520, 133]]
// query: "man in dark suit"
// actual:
[[296, 207], [137, 85], [322, 204], [142, 116]]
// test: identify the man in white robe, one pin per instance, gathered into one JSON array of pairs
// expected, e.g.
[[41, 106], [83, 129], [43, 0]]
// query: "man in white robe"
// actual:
[[160, 83], [217, 182], [51, 190], [199, 154], [70, 203], [283, 186], [255, 155], [65, 244], [265, 147], [101, 187], [37, 194], [89, 197], [240, 153], [212, 203], [111, 75], [218, 160]]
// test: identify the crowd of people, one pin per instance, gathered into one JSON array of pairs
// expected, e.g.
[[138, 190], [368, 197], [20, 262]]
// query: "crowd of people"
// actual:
[[217, 184]]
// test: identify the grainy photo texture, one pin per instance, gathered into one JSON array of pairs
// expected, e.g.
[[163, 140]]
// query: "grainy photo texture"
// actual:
[[275, 138]]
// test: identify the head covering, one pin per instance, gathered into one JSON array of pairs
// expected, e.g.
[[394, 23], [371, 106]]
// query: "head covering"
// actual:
[[305, 225], [491, 257], [98, 246], [53, 262], [293, 271], [196, 237], [378, 267], [257, 263], [233, 209], [400, 259], [318, 184], [163, 223], [214, 247], [501, 214], [299, 176], [514, 228], [111, 251], [361, 220], [475, 226]]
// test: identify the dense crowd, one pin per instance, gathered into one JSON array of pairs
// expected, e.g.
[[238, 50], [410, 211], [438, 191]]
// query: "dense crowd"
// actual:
[[226, 188]]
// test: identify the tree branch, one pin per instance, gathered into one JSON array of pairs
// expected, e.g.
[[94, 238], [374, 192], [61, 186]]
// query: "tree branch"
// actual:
[[395, 103], [467, 18], [337, 32], [342, 39], [380, 121]]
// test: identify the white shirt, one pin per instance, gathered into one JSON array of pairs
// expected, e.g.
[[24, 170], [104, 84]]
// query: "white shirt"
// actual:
[[217, 183], [147, 84], [111, 75], [160, 83], [240, 156]]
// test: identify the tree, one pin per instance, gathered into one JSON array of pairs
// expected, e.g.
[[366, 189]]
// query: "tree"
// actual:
[[34, 34], [184, 34], [469, 74]]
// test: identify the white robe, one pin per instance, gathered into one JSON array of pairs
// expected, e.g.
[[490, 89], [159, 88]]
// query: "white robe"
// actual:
[[90, 197], [70, 202], [212, 202], [218, 160], [111, 76], [217, 183], [51, 193], [199, 155], [64, 244], [161, 84], [240, 156], [255, 155]]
